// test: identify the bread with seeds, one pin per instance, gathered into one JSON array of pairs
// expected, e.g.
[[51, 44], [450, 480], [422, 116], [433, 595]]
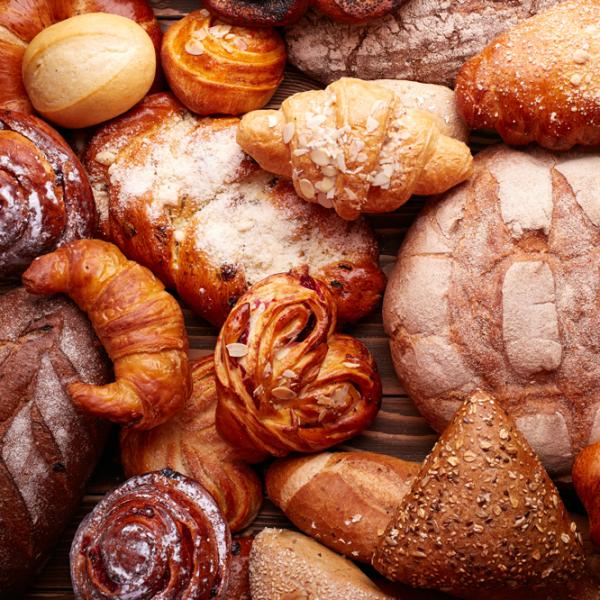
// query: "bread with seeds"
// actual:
[[177, 194], [355, 147], [540, 81], [482, 516]]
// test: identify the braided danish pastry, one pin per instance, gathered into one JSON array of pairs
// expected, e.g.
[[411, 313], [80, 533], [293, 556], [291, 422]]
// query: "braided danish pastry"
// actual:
[[159, 535], [45, 196], [191, 444], [286, 381]]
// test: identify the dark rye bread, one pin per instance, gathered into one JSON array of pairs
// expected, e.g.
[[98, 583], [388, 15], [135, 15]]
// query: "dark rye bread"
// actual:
[[47, 448], [422, 40]]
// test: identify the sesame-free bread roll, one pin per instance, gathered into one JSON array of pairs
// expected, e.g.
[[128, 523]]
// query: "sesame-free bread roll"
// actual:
[[285, 565], [343, 499], [88, 69]]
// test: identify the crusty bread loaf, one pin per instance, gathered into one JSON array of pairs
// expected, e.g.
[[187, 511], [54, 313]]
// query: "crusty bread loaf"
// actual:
[[47, 447], [496, 286], [88, 69], [345, 499], [422, 40], [285, 565]]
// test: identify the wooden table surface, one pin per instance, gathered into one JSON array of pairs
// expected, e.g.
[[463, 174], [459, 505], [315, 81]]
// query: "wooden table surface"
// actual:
[[398, 430]]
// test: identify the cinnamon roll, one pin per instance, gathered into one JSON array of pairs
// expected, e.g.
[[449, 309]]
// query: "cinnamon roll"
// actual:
[[159, 535], [286, 381]]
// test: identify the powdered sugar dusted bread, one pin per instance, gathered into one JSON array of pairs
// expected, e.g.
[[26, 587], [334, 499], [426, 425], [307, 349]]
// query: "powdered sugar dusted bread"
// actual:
[[496, 286], [422, 40], [47, 448], [178, 194]]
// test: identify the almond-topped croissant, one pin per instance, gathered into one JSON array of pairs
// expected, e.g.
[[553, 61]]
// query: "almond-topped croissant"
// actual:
[[356, 147], [286, 382], [139, 324]]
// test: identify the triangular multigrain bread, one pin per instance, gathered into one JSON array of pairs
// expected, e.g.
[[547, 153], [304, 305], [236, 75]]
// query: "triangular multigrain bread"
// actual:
[[482, 514]]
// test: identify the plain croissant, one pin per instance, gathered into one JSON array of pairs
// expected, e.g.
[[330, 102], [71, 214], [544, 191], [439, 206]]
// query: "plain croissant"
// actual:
[[139, 324], [356, 147]]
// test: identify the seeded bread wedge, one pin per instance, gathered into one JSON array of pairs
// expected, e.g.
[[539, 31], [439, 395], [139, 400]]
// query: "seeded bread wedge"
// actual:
[[482, 516]]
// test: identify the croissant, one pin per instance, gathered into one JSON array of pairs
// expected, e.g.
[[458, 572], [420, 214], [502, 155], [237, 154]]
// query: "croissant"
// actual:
[[190, 444], [354, 146], [139, 324], [215, 68], [157, 536], [286, 382]]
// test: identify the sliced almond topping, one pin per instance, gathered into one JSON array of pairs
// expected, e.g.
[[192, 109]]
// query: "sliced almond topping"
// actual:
[[200, 34], [319, 157], [340, 161], [329, 171], [219, 31], [300, 151], [194, 47], [325, 184], [240, 43], [106, 157], [289, 373], [372, 124], [288, 132], [272, 120], [283, 393], [237, 350], [307, 188], [351, 365]]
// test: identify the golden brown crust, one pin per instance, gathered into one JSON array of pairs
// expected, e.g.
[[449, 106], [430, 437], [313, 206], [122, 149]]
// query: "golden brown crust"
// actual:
[[285, 12], [177, 194], [481, 499], [190, 444], [345, 499], [139, 324], [586, 479], [540, 80], [215, 68], [286, 381], [45, 195], [22, 20], [356, 147]]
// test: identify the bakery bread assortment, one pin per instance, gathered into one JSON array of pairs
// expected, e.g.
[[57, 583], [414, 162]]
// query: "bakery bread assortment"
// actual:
[[356, 147], [286, 565], [22, 20], [554, 99], [421, 40], [249, 191], [495, 287], [158, 535], [177, 194], [285, 381], [482, 515], [88, 69], [45, 196], [284, 12], [139, 324], [190, 444], [343, 499], [47, 448], [215, 68]]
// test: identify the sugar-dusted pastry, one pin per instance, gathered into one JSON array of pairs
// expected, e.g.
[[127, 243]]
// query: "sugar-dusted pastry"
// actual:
[[45, 196], [482, 516], [540, 81], [286, 382], [177, 194], [158, 535], [284, 12], [496, 287], [22, 20], [88, 69], [139, 324], [355, 146], [215, 68], [190, 444]]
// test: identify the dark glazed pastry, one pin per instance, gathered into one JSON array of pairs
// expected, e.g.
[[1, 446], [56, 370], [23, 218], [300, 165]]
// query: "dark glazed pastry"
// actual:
[[286, 381], [45, 195], [159, 535]]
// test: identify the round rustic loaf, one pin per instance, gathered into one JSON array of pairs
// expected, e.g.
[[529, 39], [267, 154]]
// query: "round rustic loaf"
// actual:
[[497, 287], [47, 448], [422, 40]]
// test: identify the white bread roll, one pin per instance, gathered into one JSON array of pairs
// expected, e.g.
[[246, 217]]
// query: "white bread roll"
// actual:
[[88, 69]]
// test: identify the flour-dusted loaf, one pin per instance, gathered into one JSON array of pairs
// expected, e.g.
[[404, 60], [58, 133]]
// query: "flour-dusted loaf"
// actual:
[[497, 286], [178, 194], [47, 448], [423, 40]]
